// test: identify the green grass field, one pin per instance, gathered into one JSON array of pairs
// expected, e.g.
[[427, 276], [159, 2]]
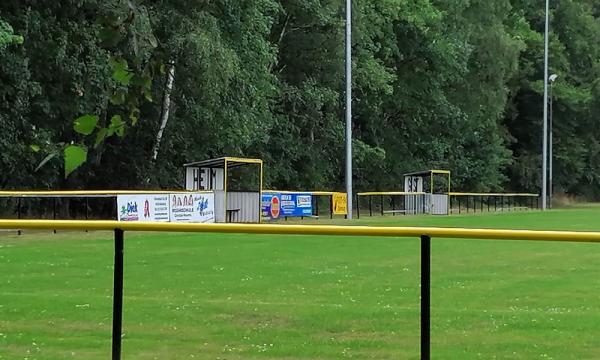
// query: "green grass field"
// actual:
[[211, 296]]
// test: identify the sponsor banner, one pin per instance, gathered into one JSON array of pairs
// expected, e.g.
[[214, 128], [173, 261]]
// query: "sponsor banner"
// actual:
[[192, 208], [271, 206], [143, 208], [275, 205], [340, 203], [296, 204]]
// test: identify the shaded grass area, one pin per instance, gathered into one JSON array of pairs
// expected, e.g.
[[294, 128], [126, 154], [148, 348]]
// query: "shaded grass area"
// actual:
[[224, 296]]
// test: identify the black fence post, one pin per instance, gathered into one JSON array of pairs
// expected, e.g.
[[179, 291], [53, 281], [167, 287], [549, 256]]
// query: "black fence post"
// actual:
[[19, 213], [87, 205], [54, 212], [425, 297], [331, 207], [357, 206], [382, 205], [117, 296], [393, 206], [370, 205]]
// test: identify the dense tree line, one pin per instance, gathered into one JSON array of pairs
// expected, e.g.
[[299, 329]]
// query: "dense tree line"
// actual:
[[438, 84]]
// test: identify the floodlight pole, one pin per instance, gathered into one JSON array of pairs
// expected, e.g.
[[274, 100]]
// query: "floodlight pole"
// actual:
[[545, 137], [349, 106], [550, 150]]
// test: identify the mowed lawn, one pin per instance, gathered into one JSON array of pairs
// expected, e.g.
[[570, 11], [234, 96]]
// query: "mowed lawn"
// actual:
[[216, 296]]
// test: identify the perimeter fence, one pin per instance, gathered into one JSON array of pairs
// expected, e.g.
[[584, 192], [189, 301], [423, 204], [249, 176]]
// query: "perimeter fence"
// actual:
[[424, 234]]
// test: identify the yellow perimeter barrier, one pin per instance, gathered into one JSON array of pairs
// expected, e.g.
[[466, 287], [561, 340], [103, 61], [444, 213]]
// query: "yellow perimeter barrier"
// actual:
[[389, 193], [424, 233], [494, 194], [496, 234], [81, 193]]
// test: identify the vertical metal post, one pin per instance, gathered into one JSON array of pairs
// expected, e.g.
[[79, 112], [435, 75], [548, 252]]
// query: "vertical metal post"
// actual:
[[331, 207], [393, 206], [87, 205], [487, 200], [349, 106], [481, 202], [54, 212], [117, 296], [545, 131], [357, 206], [19, 213], [458, 200], [425, 297], [371, 205], [550, 155], [381, 205], [495, 204]]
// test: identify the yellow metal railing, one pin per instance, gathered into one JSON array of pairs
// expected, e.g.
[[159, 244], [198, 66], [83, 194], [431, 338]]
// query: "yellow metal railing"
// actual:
[[91, 193], [497, 234], [498, 201], [416, 199], [424, 233]]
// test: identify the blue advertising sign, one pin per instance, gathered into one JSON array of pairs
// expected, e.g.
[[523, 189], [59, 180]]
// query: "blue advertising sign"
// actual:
[[275, 205], [271, 205], [296, 205]]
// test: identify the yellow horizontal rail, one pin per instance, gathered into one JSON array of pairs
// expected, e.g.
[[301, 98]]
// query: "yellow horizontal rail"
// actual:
[[323, 193], [90, 192], [390, 193], [243, 160], [492, 234], [494, 194]]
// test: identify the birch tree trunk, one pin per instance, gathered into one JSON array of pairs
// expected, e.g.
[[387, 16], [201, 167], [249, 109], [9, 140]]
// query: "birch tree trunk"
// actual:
[[166, 109]]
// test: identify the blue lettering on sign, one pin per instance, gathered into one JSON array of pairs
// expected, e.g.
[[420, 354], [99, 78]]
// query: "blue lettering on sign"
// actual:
[[292, 204]]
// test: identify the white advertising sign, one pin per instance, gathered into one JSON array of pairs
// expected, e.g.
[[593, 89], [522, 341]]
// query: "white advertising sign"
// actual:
[[144, 208], [195, 208]]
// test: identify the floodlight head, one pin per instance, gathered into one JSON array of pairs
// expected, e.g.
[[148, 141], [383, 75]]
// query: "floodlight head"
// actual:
[[553, 78]]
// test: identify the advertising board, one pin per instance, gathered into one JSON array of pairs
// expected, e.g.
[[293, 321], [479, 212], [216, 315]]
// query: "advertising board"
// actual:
[[143, 208], [182, 207], [340, 203], [276, 205], [271, 205], [192, 208]]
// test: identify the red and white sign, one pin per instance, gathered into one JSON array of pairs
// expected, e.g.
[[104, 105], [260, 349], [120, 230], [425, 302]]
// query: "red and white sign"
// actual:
[[275, 207]]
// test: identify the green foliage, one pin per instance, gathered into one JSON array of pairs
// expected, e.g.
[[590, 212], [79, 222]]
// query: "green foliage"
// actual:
[[86, 124], [74, 156], [7, 36], [450, 84]]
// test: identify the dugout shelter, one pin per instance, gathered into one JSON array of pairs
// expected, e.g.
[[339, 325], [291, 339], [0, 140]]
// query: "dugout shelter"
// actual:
[[237, 185], [435, 184]]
